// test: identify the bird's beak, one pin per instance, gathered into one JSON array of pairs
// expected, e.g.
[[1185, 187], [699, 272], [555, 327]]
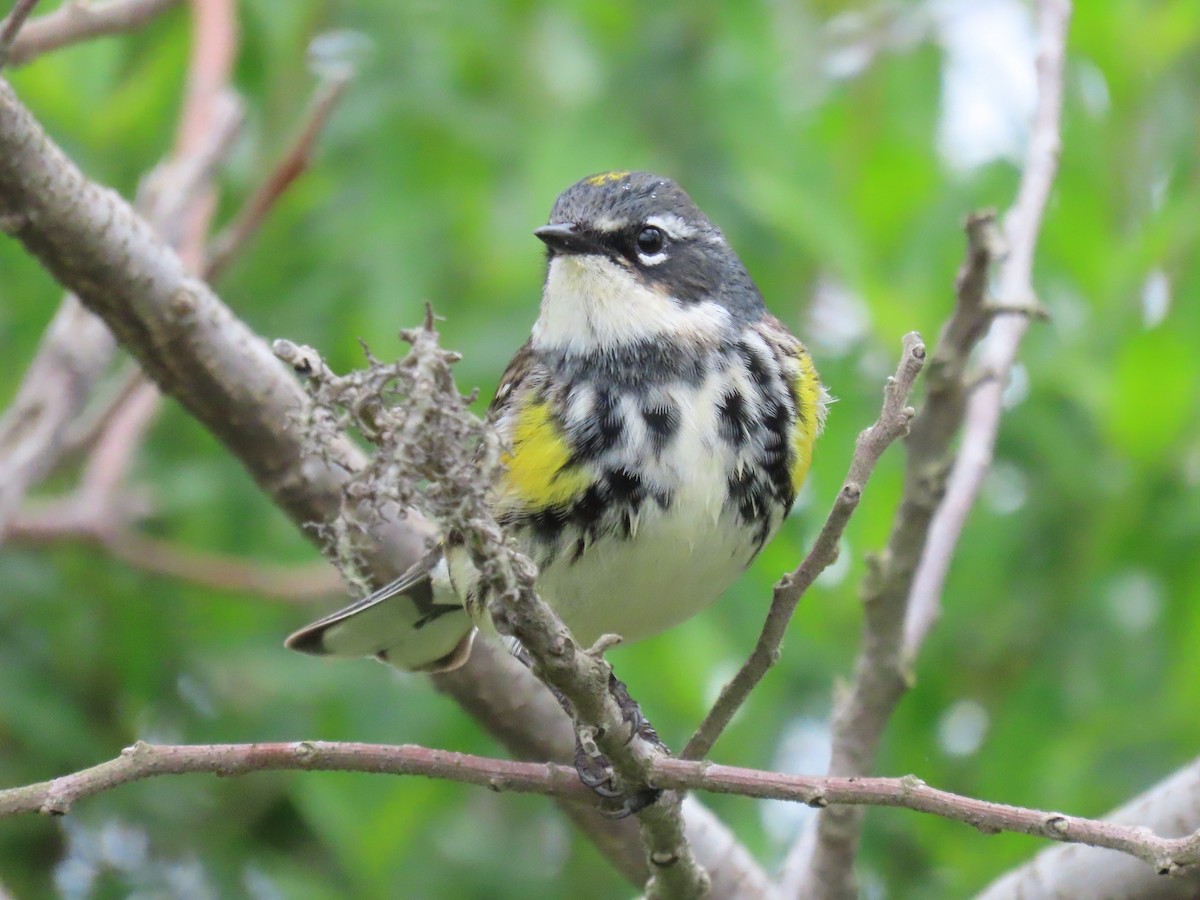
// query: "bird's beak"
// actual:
[[566, 237]]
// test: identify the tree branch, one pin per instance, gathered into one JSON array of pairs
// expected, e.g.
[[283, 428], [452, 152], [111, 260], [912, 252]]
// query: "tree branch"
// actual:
[[93, 420], [70, 520], [999, 352], [823, 868], [78, 20], [295, 161], [892, 424], [75, 351], [1171, 808], [11, 25], [1169, 856], [77, 347]]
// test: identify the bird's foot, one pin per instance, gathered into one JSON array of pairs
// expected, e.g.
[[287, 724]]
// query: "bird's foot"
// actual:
[[593, 767], [596, 772]]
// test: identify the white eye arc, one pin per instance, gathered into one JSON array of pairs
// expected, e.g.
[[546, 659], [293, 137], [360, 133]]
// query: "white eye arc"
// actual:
[[675, 228], [657, 234], [651, 242]]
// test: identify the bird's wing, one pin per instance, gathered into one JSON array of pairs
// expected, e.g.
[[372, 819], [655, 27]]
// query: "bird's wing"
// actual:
[[520, 368], [541, 469], [808, 394], [414, 623]]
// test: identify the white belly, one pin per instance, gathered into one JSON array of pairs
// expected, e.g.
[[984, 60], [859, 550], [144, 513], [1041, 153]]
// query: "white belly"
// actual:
[[679, 563]]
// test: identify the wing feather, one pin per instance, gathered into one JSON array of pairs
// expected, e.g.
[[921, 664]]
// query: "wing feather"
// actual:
[[411, 623]]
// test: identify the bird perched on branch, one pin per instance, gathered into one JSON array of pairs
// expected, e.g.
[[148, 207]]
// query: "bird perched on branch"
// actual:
[[658, 424]]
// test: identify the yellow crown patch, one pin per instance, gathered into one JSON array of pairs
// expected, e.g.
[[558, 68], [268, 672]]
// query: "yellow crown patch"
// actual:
[[605, 178]]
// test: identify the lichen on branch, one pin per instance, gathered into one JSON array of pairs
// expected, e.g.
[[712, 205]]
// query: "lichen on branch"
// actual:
[[431, 452]]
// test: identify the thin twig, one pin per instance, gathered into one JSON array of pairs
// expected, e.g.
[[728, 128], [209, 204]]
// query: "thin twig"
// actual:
[[170, 192], [77, 348], [60, 521], [77, 21], [1169, 856], [1016, 293], [11, 26], [823, 868], [173, 188], [210, 71], [862, 711], [296, 160], [892, 424], [86, 429], [286, 583], [114, 451], [1170, 808]]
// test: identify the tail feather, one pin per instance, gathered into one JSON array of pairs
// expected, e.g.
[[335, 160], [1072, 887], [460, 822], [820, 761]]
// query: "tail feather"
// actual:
[[415, 623]]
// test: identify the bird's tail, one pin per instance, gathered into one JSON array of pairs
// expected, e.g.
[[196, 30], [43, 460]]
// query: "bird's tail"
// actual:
[[416, 623]]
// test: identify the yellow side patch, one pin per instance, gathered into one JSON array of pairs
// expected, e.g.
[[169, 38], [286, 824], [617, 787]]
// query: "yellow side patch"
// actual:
[[810, 416], [605, 178], [536, 475]]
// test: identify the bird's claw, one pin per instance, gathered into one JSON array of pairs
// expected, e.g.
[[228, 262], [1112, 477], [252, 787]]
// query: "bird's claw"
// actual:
[[594, 769]]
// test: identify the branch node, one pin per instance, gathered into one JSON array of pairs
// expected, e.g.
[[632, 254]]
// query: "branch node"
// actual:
[[13, 222], [183, 303], [54, 806], [1056, 825], [304, 360], [136, 749], [603, 644], [558, 646], [1030, 309], [587, 739], [663, 859], [930, 484]]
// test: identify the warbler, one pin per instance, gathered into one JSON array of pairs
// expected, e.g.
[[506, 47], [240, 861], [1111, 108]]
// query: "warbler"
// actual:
[[657, 426]]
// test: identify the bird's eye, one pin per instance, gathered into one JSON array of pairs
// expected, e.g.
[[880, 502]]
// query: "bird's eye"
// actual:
[[650, 240]]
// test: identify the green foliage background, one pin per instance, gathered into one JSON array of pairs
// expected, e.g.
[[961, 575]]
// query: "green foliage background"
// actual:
[[1071, 621]]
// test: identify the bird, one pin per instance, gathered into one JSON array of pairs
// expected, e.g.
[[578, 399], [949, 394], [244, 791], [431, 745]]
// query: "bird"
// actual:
[[657, 426]]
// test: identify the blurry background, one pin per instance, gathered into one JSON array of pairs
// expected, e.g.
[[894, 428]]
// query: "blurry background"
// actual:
[[839, 145]]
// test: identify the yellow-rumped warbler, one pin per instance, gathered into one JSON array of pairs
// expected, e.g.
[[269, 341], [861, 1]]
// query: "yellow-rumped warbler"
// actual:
[[658, 424]]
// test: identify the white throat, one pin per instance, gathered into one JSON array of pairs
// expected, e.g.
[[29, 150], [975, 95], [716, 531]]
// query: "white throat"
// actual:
[[591, 301]]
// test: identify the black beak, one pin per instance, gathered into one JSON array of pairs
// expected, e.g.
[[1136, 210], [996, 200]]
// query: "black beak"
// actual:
[[566, 237]]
